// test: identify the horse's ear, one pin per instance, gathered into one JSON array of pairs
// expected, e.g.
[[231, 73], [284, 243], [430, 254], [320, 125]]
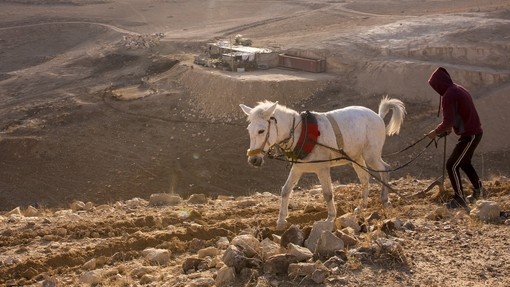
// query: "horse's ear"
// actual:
[[270, 111], [246, 109]]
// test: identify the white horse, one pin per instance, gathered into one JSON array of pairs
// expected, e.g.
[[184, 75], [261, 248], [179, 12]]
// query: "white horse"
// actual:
[[360, 133]]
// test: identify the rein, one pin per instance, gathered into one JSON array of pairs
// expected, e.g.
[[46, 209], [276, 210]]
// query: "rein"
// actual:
[[406, 148], [345, 156]]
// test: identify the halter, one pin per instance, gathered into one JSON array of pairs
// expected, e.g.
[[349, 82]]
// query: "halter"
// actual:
[[254, 152], [281, 147]]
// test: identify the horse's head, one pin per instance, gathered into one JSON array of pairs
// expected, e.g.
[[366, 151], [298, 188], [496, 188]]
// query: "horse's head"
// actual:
[[262, 122]]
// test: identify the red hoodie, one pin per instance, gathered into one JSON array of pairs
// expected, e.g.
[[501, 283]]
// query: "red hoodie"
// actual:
[[459, 112]]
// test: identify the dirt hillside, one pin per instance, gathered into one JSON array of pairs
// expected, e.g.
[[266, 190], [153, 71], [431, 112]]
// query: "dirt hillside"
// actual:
[[101, 102], [66, 135]]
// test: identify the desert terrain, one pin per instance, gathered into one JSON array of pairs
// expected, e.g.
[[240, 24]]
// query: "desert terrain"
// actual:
[[87, 116]]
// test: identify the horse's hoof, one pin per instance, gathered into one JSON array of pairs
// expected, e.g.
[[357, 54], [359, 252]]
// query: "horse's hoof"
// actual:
[[387, 204], [281, 225], [358, 210]]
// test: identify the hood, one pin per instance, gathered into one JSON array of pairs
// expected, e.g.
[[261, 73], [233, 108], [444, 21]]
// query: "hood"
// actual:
[[440, 80]]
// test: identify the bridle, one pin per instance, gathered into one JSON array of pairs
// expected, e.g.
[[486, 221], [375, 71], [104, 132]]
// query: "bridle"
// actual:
[[254, 152], [290, 138]]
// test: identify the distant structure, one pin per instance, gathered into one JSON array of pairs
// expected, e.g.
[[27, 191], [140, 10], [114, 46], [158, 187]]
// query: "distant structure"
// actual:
[[240, 56], [302, 63]]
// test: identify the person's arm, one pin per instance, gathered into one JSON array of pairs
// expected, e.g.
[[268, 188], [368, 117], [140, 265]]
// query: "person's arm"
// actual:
[[448, 117]]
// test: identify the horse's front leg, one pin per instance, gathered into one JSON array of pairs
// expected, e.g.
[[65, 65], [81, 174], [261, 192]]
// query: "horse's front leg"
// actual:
[[327, 191], [292, 180]]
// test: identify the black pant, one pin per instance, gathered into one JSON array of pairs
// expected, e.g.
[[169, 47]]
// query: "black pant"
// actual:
[[461, 159]]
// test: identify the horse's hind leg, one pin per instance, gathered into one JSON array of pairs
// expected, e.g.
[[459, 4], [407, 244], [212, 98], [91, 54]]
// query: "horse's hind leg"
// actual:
[[292, 180], [364, 178], [327, 191], [382, 167]]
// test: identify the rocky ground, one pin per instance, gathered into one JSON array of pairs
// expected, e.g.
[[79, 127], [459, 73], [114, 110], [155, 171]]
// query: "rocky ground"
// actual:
[[168, 241]]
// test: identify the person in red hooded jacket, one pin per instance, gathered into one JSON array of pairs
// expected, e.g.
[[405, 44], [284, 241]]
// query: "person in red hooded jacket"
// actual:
[[459, 114]]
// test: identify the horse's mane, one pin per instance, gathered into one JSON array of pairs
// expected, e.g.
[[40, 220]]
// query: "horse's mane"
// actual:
[[258, 111]]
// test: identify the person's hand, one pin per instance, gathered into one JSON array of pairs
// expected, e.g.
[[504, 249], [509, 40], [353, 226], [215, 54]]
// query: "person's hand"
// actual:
[[444, 134], [432, 134]]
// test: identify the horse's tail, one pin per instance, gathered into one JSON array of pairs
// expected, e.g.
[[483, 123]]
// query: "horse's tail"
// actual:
[[397, 117]]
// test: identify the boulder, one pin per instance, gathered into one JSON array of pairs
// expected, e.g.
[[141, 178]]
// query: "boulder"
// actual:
[[91, 277], [249, 244], [269, 248], [191, 264], [279, 264], [209, 251], [164, 199], [488, 211], [157, 256], [292, 235], [348, 220], [349, 240], [300, 252], [315, 234], [234, 257], [328, 244], [222, 243], [226, 276], [197, 198]]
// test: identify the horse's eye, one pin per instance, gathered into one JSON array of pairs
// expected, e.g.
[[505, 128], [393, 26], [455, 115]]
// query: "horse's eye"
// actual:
[[261, 132]]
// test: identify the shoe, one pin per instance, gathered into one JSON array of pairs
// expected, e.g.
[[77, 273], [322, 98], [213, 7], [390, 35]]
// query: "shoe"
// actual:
[[456, 202], [477, 194]]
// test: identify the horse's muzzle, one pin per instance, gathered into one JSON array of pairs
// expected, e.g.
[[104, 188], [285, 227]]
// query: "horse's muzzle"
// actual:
[[255, 161]]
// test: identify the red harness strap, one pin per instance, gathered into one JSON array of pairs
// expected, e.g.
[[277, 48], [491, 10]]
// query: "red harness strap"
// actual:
[[308, 137]]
